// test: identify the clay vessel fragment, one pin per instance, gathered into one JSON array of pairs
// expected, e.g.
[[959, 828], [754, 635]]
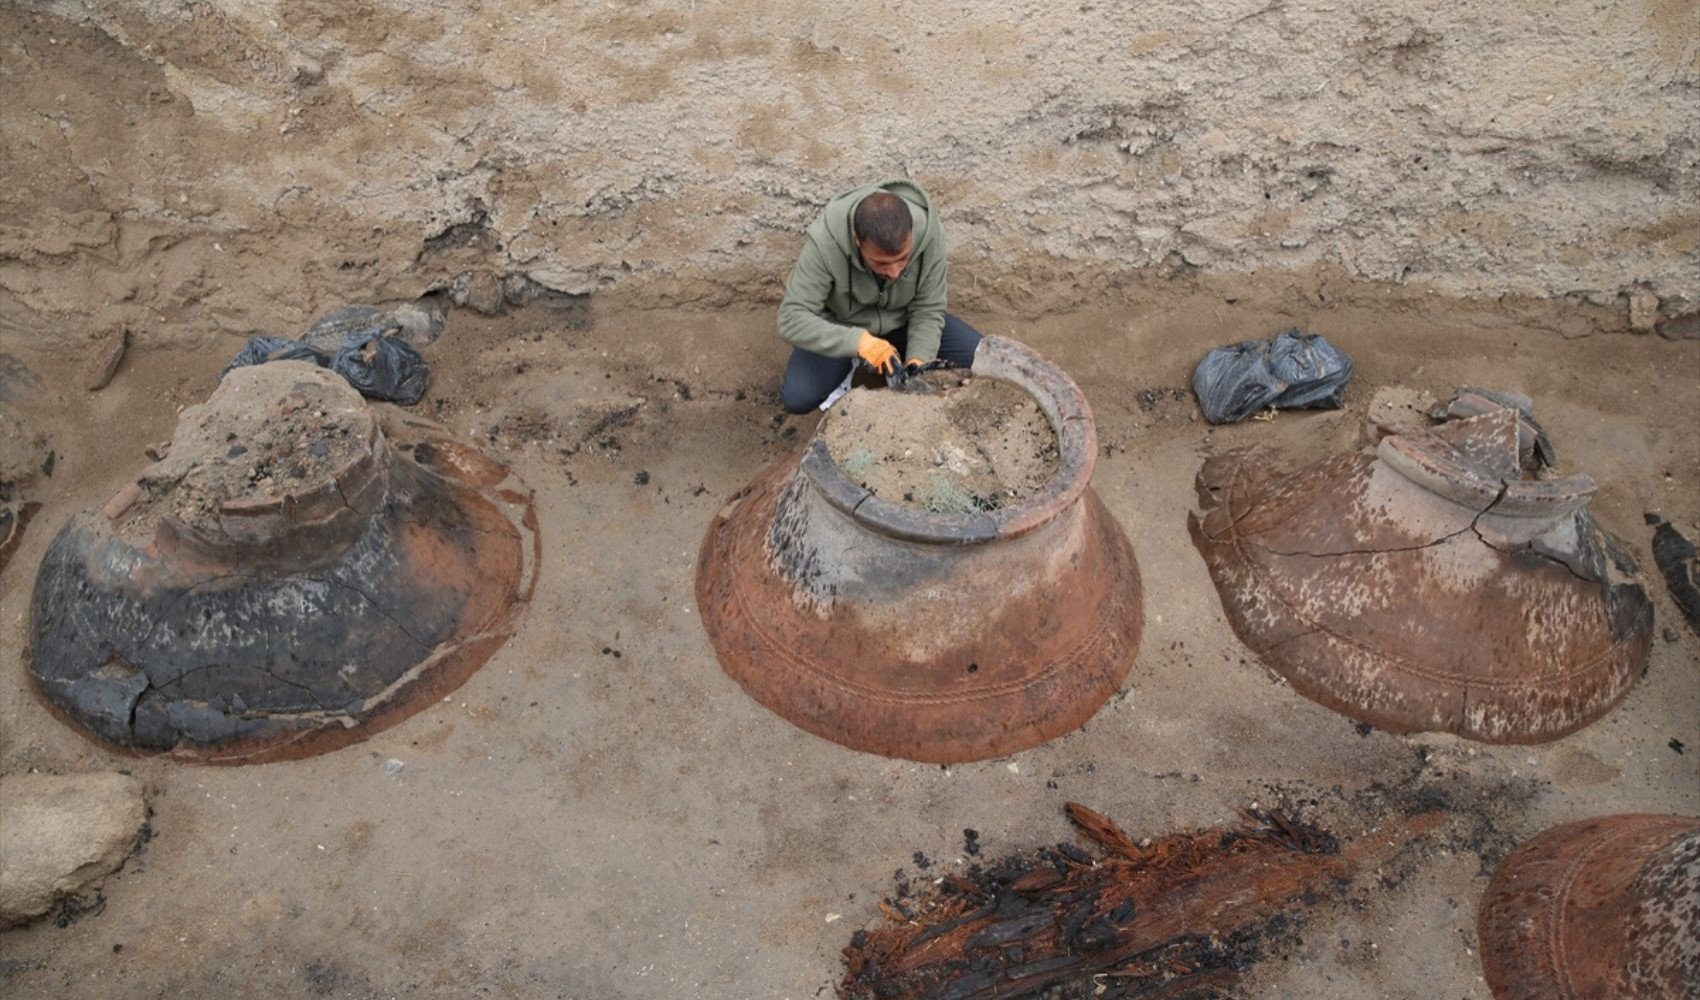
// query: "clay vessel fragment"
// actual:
[[301, 570], [1604, 908], [935, 637], [1427, 585]]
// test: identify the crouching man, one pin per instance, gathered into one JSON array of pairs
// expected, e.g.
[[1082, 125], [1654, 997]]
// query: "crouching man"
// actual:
[[870, 283]]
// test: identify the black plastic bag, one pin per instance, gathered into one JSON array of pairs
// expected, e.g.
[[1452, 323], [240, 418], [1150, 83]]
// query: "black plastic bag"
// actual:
[[1291, 371], [259, 350], [1315, 371], [382, 367], [379, 366], [1234, 382]]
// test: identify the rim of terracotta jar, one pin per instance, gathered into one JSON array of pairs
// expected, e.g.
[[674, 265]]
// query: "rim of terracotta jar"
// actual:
[[1070, 417]]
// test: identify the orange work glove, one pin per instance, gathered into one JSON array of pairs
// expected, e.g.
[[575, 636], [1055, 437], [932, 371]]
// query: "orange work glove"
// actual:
[[915, 364], [878, 353]]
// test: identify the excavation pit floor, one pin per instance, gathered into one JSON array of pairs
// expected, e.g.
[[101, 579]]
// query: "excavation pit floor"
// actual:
[[601, 813]]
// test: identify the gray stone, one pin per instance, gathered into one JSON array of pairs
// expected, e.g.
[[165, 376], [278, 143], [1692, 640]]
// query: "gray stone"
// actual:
[[480, 291], [61, 835], [1681, 327], [420, 324]]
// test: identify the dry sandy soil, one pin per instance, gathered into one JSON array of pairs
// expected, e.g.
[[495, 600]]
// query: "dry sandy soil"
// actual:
[[601, 813], [243, 164], [969, 444]]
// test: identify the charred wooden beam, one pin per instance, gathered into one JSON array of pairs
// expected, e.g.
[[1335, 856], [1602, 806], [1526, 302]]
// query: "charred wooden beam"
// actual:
[[1191, 908]]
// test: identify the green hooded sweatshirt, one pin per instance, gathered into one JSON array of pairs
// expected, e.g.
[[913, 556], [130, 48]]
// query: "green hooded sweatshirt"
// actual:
[[831, 294]]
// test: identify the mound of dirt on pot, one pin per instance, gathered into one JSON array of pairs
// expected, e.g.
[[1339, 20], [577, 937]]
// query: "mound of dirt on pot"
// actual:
[[282, 428], [973, 444]]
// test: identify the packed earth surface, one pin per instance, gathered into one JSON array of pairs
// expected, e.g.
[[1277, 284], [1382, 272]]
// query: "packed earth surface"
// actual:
[[953, 445], [600, 812], [586, 213], [251, 164]]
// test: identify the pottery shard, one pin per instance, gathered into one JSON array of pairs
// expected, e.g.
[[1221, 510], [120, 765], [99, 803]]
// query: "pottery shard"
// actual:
[[107, 357], [61, 834]]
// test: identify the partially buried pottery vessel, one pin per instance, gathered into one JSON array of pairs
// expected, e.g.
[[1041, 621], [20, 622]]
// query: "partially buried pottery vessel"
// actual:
[[1429, 584], [300, 570], [1604, 908], [938, 637]]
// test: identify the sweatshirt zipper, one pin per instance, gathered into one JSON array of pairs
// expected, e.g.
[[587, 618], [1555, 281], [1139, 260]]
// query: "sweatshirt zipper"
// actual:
[[879, 309]]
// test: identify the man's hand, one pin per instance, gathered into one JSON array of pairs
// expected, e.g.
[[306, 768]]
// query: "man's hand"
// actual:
[[878, 353], [915, 365]]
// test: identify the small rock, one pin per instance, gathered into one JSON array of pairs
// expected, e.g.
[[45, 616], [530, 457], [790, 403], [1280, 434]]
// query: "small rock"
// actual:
[[1396, 408], [61, 835], [393, 767], [307, 71], [1686, 327], [107, 357], [479, 291], [419, 324], [1643, 310]]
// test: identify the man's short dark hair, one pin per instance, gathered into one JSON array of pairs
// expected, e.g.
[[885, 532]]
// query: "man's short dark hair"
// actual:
[[882, 218]]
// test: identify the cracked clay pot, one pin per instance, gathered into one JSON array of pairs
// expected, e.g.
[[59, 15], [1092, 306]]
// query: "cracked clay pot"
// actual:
[[935, 637], [1428, 586], [1605, 908], [300, 571]]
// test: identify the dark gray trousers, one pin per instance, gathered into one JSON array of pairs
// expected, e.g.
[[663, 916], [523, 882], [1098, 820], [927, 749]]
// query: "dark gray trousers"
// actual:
[[811, 377]]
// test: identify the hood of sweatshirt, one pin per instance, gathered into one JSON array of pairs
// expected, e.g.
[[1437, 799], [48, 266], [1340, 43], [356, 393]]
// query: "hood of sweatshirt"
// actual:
[[837, 219]]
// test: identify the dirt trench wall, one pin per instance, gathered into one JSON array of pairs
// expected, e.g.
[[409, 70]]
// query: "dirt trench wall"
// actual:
[[237, 165]]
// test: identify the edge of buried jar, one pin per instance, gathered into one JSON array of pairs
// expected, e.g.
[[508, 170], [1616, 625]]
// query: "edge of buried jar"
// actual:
[[1070, 417]]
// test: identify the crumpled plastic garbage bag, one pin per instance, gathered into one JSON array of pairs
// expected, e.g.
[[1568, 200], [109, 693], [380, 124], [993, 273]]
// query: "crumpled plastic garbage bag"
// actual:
[[379, 365], [382, 367], [1290, 371]]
